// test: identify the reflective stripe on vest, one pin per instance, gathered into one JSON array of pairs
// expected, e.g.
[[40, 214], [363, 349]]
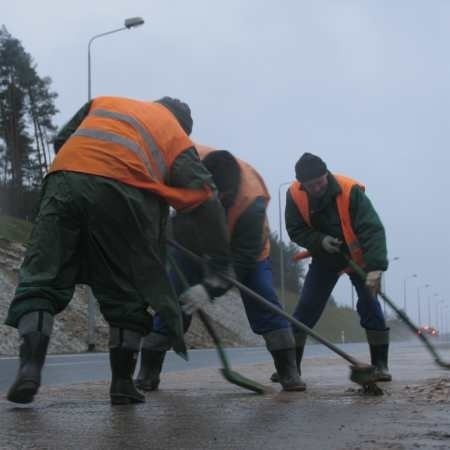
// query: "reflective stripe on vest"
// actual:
[[300, 198], [111, 144], [116, 139], [146, 136]]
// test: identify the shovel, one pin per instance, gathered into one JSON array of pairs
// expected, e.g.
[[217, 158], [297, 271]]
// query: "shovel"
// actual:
[[402, 315], [360, 373], [229, 374]]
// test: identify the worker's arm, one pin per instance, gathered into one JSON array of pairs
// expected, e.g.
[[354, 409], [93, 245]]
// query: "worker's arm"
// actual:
[[70, 127], [299, 231], [209, 218], [247, 239], [369, 230]]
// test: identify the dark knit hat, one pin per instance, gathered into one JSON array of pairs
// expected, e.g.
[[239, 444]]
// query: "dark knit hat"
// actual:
[[180, 110], [225, 172], [308, 167]]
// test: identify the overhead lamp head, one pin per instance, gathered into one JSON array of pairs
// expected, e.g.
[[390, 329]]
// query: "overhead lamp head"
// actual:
[[132, 22]]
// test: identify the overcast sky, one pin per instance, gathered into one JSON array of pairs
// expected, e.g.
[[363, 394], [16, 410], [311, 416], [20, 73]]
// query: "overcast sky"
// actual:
[[363, 84]]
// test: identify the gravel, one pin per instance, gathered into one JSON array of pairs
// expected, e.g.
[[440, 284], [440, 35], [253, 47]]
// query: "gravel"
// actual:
[[70, 329]]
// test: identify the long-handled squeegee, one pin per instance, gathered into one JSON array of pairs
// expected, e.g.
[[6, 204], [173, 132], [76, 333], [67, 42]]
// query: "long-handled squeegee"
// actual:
[[400, 313], [229, 374], [360, 373], [403, 317]]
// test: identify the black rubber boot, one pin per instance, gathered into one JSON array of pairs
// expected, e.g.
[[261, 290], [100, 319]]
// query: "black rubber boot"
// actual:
[[32, 357], [123, 390], [151, 366], [287, 370], [379, 359], [299, 355], [274, 378]]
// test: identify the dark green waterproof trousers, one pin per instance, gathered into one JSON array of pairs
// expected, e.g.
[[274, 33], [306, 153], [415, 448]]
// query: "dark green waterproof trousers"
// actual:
[[111, 236]]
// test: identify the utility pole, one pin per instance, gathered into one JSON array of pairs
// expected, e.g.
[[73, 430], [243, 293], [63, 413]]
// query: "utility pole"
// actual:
[[129, 23]]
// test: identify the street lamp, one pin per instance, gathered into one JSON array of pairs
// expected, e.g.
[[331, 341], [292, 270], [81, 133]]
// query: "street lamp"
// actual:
[[280, 232], [352, 290], [383, 280], [429, 308], [438, 315], [404, 289], [445, 326], [442, 317], [131, 22], [418, 301]]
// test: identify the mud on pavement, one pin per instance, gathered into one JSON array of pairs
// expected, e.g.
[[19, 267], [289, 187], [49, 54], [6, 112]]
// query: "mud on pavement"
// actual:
[[198, 409]]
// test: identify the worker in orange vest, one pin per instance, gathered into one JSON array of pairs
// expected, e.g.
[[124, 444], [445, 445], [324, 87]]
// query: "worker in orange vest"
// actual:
[[330, 215], [245, 198], [102, 218]]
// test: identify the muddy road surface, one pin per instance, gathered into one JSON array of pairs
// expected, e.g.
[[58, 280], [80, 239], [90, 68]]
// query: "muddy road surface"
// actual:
[[198, 409]]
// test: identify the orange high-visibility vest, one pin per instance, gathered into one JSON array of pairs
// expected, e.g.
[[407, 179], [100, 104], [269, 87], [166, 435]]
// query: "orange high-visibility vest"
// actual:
[[134, 142], [251, 186], [300, 198]]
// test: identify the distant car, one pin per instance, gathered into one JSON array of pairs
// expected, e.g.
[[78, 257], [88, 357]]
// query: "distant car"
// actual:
[[426, 329]]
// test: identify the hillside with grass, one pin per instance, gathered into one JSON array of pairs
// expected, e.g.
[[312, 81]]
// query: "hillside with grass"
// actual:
[[341, 323], [70, 329], [337, 324], [70, 333], [13, 229]]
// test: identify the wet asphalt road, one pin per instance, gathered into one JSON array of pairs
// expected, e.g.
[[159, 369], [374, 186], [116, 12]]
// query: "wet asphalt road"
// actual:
[[85, 367], [198, 409]]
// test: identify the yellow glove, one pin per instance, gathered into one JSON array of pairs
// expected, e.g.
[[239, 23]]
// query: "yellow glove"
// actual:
[[373, 281]]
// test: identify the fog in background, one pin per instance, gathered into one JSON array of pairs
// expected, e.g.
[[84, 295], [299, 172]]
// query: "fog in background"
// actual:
[[363, 84]]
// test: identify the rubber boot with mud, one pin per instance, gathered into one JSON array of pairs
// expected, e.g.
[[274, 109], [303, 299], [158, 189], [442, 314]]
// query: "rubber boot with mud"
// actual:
[[379, 350], [379, 359], [287, 371], [299, 355], [151, 366], [123, 351], [122, 390], [33, 350]]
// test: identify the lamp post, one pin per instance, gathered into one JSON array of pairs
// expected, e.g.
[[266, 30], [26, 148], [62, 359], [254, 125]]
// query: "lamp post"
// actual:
[[418, 302], [442, 323], [404, 289], [429, 308], [353, 296], [395, 258], [445, 327], [438, 315], [280, 233], [131, 22]]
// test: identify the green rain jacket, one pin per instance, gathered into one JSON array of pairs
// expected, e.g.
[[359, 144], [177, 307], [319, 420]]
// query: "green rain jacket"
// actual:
[[325, 221], [124, 262], [246, 241]]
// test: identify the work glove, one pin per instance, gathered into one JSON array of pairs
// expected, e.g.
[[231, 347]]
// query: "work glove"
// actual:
[[373, 281], [194, 298], [331, 244], [198, 296]]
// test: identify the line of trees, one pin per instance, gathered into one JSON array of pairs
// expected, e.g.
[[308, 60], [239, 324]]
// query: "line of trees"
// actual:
[[27, 108]]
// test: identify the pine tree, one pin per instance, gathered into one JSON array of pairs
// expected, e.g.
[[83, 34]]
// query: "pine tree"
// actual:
[[26, 112]]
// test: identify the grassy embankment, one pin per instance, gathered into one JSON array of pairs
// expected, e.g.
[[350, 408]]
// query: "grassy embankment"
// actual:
[[336, 322], [13, 229]]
